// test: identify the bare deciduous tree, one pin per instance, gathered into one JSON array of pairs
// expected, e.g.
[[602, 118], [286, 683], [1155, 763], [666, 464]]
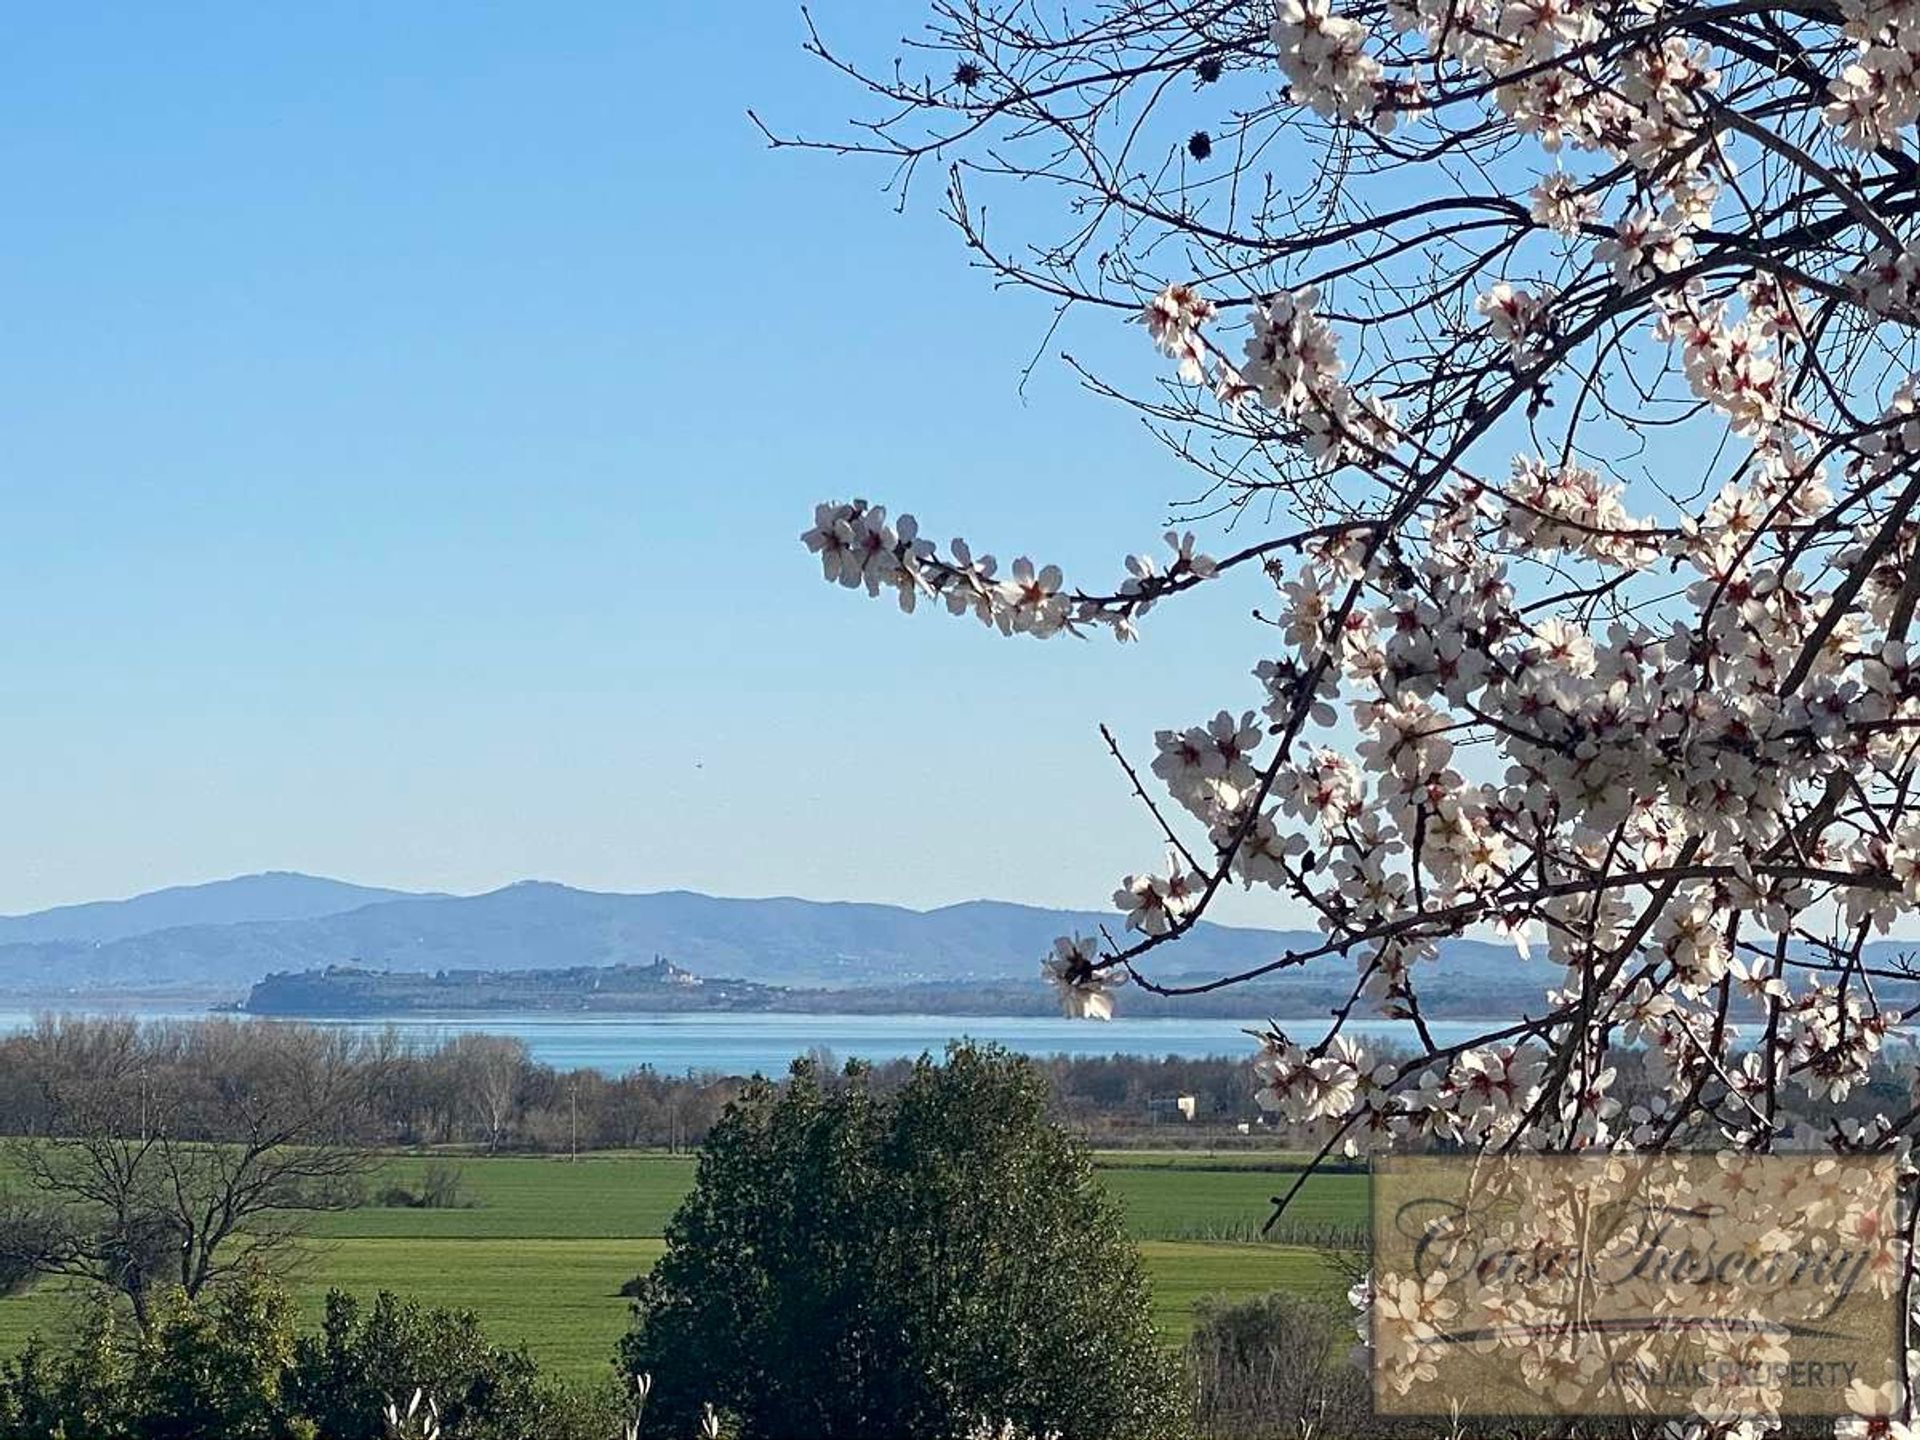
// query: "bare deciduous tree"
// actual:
[[175, 1154], [491, 1070]]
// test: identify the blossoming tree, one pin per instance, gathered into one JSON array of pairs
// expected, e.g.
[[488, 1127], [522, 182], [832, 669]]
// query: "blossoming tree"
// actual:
[[1554, 363]]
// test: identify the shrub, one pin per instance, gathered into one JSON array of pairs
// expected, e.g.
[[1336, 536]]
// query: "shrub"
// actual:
[[440, 1186], [363, 1355], [231, 1367], [1276, 1365], [200, 1368], [852, 1265]]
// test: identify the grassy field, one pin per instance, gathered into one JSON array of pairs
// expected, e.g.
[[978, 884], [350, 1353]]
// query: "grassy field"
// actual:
[[1168, 1196], [543, 1249], [597, 1197], [1192, 1198]]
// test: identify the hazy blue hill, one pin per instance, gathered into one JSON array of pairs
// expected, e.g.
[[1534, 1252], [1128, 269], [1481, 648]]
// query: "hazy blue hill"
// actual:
[[543, 926], [277, 895], [535, 925]]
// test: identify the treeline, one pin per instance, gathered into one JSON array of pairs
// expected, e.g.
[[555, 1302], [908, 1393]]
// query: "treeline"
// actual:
[[488, 1093], [477, 1090]]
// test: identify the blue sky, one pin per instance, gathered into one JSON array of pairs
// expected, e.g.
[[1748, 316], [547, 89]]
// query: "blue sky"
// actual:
[[410, 413]]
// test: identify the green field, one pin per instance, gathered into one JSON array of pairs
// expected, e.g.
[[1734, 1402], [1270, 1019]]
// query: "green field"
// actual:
[[1193, 1197], [544, 1248], [1168, 1196]]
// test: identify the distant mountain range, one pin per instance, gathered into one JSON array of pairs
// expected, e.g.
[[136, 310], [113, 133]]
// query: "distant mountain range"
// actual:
[[224, 936], [216, 940], [277, 895]]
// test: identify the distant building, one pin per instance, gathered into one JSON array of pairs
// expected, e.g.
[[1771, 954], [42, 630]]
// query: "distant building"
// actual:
[[1172, 1107]]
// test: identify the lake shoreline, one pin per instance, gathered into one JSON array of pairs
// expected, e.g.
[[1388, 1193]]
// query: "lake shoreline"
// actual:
[[740, 1043]]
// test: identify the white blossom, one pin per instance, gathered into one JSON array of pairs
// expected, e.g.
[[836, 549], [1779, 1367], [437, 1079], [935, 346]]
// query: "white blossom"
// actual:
[[1173, 318], [1085, 992]]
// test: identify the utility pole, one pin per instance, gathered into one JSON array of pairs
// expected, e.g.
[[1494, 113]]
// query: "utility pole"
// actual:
[[573, 1112]]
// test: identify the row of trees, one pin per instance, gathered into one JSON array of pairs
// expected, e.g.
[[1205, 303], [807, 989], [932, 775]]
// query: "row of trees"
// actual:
[[213, 1079], [375, 1089]]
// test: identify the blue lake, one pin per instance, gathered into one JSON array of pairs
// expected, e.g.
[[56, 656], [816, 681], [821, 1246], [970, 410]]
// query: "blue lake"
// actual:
[[743, 1043]]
